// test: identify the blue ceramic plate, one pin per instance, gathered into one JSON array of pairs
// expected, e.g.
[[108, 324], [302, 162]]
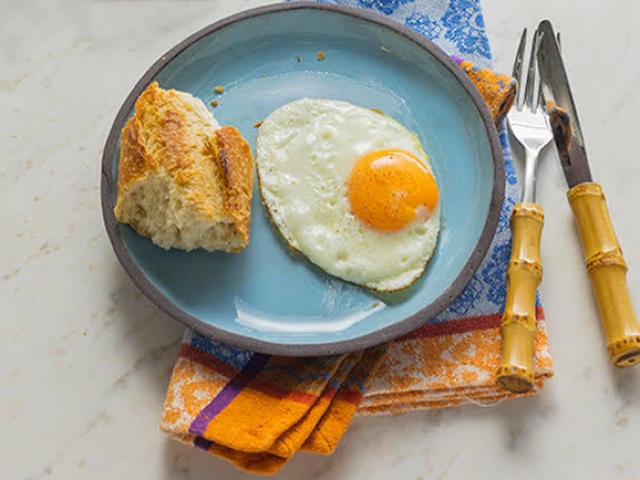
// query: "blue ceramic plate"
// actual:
[[268, 298]]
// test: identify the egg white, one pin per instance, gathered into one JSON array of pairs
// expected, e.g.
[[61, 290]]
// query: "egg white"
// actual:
[[304, 156]]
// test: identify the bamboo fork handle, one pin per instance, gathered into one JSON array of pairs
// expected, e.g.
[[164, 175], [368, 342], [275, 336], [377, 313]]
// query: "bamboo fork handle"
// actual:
[[518, 326], [607, 270]]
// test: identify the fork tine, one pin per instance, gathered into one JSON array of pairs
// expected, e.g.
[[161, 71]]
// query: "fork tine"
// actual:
[[517, 66], [531, 74], [538, 100]]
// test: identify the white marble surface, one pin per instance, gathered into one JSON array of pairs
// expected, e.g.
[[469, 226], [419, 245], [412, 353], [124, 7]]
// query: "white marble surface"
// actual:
[[85, 359]]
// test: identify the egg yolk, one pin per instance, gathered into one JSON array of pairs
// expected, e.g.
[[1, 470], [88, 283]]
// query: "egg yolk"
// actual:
[[387, 189]]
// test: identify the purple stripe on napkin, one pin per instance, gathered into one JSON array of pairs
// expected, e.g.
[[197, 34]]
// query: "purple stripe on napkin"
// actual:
[[227, 394], [202, 443]]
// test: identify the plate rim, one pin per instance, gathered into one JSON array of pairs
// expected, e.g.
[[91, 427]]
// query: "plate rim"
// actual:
[[376, 337]]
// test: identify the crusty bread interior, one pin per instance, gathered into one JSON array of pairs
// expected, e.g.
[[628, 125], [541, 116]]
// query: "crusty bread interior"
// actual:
[[184, 181]]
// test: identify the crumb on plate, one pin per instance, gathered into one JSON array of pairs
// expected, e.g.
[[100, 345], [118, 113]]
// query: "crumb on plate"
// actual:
[[320, 55], [299, 59], [219, 89], [214, 103], [257, 124]]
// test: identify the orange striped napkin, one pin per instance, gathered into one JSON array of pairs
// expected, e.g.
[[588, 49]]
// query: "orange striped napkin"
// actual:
[[445, 364]]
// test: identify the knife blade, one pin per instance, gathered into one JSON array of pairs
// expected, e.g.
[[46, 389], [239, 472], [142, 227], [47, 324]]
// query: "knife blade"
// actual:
[[603, 257], [561, 108]]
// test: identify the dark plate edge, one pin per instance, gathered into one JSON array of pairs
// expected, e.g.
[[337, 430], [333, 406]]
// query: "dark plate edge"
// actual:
[[388, 333]]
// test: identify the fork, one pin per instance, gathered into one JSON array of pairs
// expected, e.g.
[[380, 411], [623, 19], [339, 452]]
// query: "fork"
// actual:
[[529, 125]]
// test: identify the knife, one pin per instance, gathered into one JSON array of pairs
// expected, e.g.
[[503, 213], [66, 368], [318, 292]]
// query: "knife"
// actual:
[[604, 260]]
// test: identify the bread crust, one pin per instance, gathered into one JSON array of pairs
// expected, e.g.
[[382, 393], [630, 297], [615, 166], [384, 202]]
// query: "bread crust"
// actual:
[[236, 164], [172, 131]]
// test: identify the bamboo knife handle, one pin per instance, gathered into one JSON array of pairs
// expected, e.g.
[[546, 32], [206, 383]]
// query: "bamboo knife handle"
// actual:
[[518, 325], [607, 269]]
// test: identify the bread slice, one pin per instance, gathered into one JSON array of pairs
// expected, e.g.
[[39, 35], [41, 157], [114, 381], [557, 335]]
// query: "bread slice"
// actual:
[[183, 180]]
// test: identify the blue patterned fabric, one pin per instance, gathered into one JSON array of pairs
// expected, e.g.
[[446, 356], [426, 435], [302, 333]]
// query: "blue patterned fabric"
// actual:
[[236, 357], [457, 26]]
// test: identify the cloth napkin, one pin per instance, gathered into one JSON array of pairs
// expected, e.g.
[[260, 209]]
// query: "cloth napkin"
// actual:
[[257, 410]]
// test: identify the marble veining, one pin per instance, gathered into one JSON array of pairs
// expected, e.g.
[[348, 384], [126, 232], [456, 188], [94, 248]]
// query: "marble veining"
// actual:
[[85, 358]]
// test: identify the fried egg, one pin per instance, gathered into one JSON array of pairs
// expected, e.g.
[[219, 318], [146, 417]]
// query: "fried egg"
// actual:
[[350, 188]]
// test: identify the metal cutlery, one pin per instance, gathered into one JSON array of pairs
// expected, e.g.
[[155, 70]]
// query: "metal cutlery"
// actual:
[[604, 260], [528, 123]]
